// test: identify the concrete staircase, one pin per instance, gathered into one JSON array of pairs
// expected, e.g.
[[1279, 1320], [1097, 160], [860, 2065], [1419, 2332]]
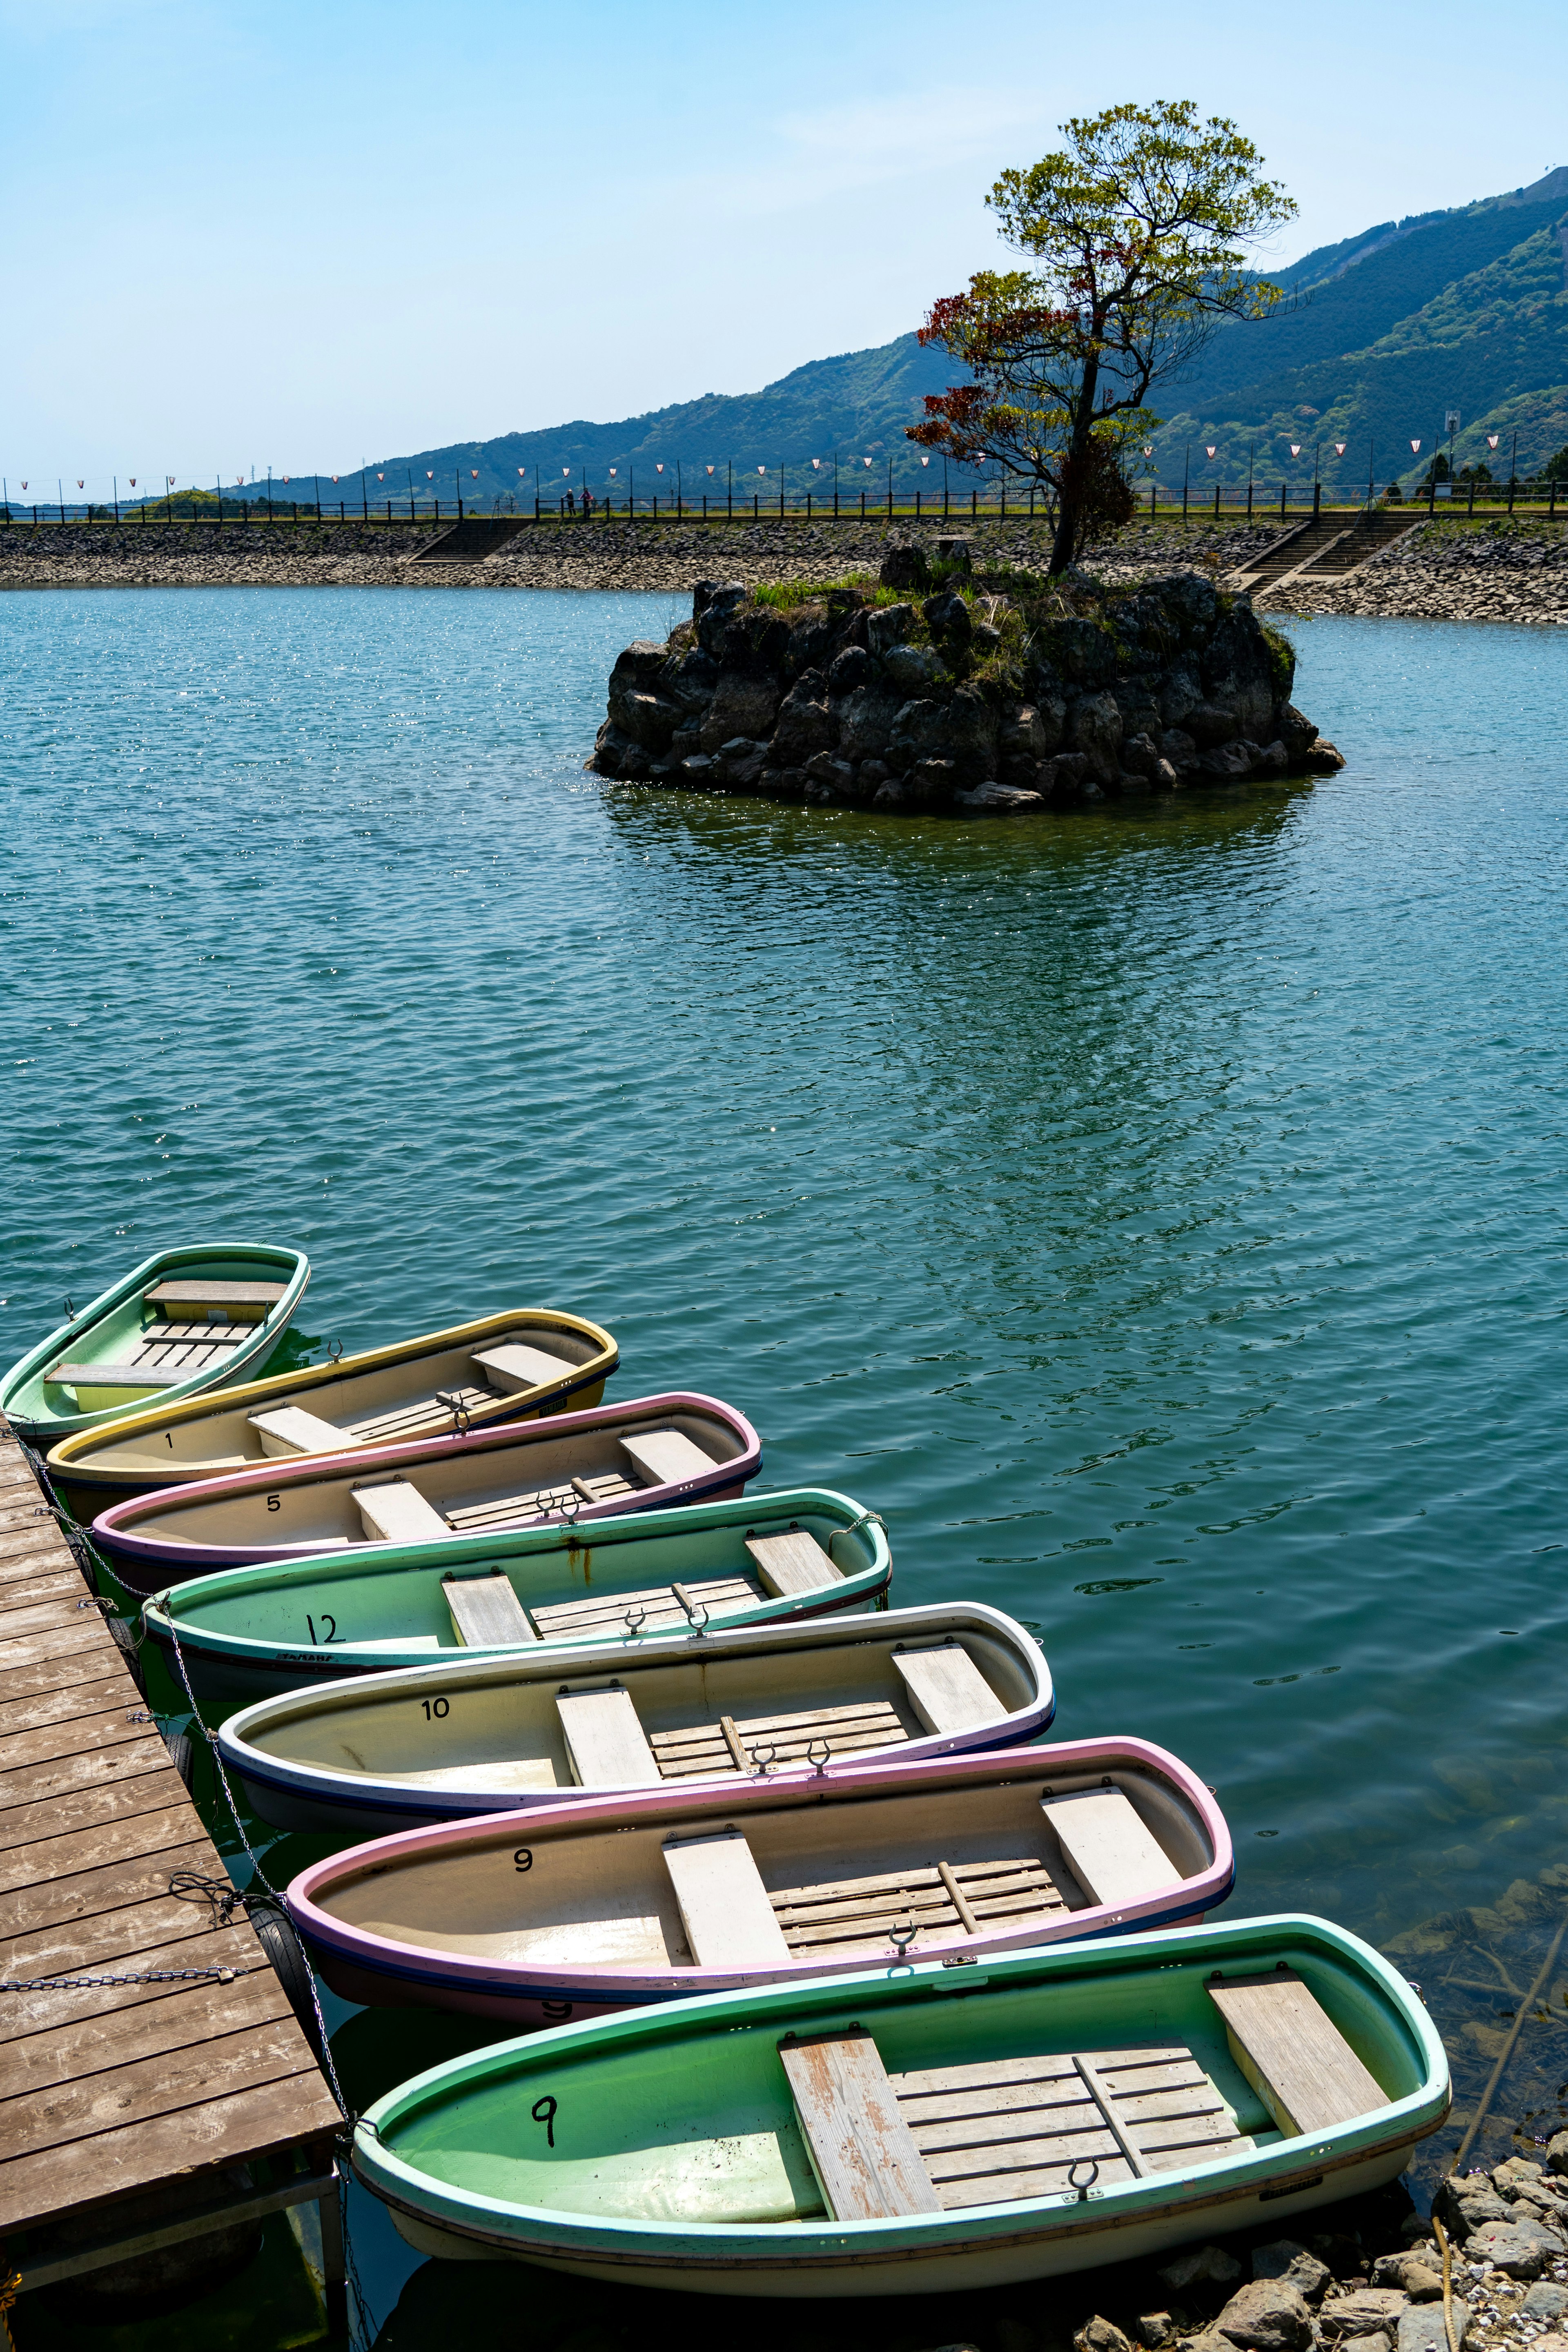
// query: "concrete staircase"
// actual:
[[1326, 547], [472, 540]]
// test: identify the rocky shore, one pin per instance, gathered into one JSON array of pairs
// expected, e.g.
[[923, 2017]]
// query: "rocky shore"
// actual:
[[950, 687], [1445, 569]]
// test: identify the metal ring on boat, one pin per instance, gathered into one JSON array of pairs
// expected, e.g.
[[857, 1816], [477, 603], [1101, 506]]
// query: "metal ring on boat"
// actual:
[[1083, 2187], [334, 1351], [902, 1938], [456, 1408], [762, 1758], [635, 1618], [823, 1760]]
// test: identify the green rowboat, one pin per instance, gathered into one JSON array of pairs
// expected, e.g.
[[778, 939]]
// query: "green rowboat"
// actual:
[[185, 1321], [927, 2127]]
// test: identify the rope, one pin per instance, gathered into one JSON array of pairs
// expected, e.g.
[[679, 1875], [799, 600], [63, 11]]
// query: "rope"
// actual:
[[1447, 2283]]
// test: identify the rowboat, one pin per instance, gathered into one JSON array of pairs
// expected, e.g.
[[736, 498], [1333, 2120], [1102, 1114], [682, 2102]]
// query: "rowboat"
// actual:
[[772, 1703], [917, 2130], [654, 1452], [185, 1321], [247, 1631], [504, 1368], [608, 1901]]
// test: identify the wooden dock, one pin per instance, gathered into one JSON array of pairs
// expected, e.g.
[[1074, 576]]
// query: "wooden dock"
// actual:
[[197, 2099]]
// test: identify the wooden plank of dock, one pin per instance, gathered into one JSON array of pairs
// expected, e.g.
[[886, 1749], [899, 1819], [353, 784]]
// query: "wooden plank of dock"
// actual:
[[110, 2090]]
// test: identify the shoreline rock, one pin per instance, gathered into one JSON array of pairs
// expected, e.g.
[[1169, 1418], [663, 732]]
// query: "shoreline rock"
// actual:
[[950, 689]]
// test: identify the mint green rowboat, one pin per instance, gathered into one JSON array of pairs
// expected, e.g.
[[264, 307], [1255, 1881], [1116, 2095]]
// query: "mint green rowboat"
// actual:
[[930, 2127], [185, 1321], [247, 1633]]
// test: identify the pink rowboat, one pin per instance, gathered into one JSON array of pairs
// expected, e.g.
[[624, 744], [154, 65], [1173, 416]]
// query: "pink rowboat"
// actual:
[[652, 1453], [570, 1910]]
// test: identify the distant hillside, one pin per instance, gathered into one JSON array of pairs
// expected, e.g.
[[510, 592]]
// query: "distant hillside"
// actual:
[[1381, 333], [1465, 309]]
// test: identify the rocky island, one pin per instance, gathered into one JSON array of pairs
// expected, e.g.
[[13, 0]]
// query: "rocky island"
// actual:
[[936, 686]]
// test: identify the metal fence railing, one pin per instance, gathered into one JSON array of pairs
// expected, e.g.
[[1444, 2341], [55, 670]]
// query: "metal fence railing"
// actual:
[[1254, 503]]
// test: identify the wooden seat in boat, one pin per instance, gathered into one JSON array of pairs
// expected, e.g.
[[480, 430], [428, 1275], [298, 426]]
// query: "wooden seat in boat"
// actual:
[[605, 1744], [485, 1611], [514, 1366], [290, 1429], [396, 1512], [946, 1688], [424, 1418], [793, 1562], [937, 1899], [658, 1608], [114, 1376], [241, 1302], [724, 1906], [1292, 2053], [867, 2164], [750, 1740], [1111, 1853], [510, 1510], [1015, 2127], [998, 2131], [666, 1457]]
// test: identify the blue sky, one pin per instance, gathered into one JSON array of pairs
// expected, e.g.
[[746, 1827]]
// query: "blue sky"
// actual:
[[242, 235]]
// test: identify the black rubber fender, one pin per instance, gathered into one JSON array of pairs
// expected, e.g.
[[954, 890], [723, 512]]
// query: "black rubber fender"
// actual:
[[182, 1756], [284, 1949]]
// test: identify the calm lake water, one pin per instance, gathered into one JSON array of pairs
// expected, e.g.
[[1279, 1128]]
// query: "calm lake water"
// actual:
[[1153, 1214]]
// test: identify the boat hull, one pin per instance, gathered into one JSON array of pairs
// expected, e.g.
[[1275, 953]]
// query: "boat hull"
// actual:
[[677, 2155], [978, 2261], [297, 1509], [491, 1735], [104, 1334], [469, 1871], [159, 1446], [250, 1633]]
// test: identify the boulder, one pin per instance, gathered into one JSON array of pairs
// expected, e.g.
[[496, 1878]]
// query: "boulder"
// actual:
[[1422, 2327], [699, 771], [1411, 2272], [715, 612], [1520, 2248], [827, 779], [912, 668], [1375, 2343], [647, 718], [805, 724], [689, 678], [888, 628], [1140, 755], [970, 732], [947, 615], [1094, 728], [1210, 725], [999, 799], [1299, 735], [741, 704], [1557, 2146], [1165, 778], [866, 722], [931, 783], [1284, 2258], [1273, 762], [1267, 2314], [1155, 2329], [1362, 2310], [1232, 764], [1034, 728], [1177, 746], [1323, 760], [1098, 2335], [849, 670], [1544, 2302], [904, 565], [1465, 2204]]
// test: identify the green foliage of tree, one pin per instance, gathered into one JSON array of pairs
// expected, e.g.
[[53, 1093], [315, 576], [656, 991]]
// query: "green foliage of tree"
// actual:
[[1556, 468], [1134, 240]]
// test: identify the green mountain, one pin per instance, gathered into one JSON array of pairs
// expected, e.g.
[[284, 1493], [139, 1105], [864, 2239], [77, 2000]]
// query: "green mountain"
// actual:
[[1465, 309], [1379, 337]]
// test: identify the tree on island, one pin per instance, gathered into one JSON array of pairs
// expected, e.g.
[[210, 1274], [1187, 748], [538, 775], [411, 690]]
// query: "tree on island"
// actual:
[[1135, 239]]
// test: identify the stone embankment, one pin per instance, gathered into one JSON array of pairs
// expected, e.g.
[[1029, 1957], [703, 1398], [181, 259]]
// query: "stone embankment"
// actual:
[[1449, 571], [643, 556], [971, 692]]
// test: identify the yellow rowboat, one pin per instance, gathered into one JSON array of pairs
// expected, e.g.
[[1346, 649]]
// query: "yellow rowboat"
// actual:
[[513, 1367], [182, 1323]]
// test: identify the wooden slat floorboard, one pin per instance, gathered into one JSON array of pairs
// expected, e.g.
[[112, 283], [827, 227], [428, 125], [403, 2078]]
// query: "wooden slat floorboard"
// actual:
[[107, 2089]]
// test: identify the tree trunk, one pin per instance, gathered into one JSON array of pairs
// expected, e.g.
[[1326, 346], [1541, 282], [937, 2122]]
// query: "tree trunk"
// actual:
[[1062, 545]]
